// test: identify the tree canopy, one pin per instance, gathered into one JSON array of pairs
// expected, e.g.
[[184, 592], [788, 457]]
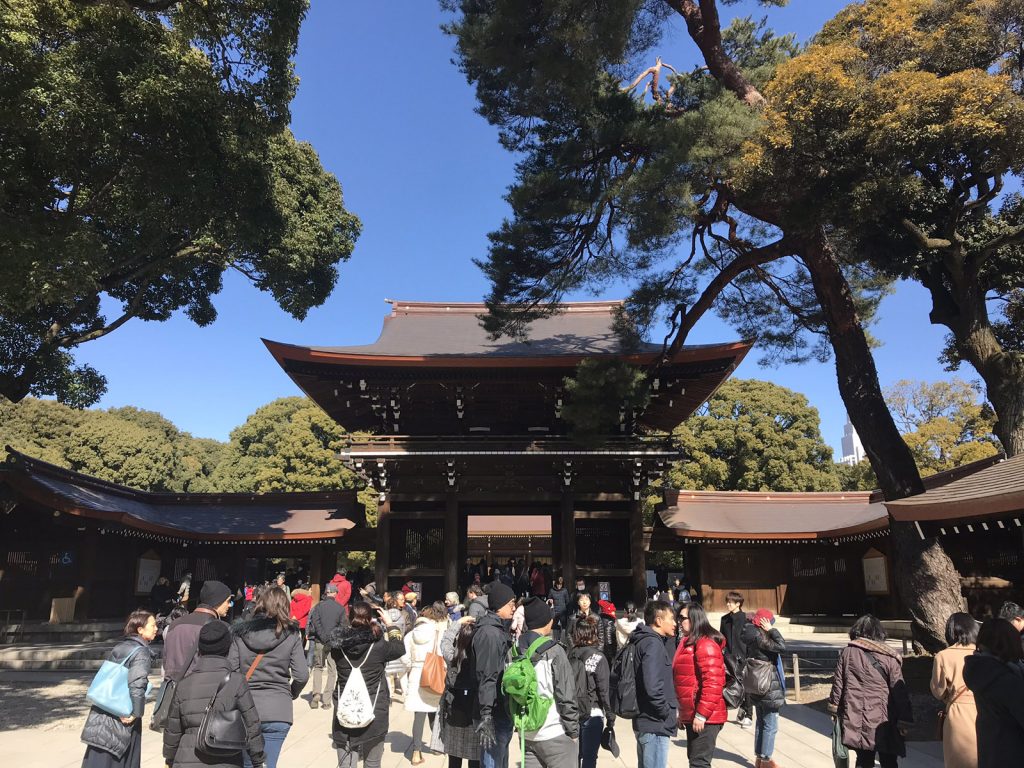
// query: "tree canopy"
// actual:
[[144, 151]]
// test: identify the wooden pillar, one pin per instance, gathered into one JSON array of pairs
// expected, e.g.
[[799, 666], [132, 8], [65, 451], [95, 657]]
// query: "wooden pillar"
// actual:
[[463, 548], [451, 542], [637, 554], [567, 518], [383, 545], [316, 572], [86, 569]]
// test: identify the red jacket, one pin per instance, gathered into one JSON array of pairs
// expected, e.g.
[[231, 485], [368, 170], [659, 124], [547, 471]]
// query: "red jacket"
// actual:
[[344, 589], [302, 602], [699, 676]]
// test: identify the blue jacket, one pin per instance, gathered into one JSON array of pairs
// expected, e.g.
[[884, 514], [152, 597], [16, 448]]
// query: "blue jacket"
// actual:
[[655, 690]]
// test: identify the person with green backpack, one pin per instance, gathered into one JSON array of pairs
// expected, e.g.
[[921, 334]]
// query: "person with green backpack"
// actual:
[[540, 688]]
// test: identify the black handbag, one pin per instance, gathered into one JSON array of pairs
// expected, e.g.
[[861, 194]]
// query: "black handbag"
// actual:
[[757, 677], [222, 732], [165, 696], [733, 690]]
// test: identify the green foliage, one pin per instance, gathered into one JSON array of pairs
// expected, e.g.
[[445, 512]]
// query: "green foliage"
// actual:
[[602, 398], [754, 436], [856, 477], [142, 154]]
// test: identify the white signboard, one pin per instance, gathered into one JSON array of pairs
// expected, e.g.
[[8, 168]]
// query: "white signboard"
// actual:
[[876, 573], [146, 575]]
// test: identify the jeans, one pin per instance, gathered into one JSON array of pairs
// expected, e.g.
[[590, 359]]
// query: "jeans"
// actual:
[[417, 729], [866, 759], [765, 728], [700, 747], [322, 658], [651, 750], [590, 740], [371, 757], [497, 756], [273, 740]]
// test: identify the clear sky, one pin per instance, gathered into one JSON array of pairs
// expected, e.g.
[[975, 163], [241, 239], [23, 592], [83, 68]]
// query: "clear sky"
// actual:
[[394, 119]]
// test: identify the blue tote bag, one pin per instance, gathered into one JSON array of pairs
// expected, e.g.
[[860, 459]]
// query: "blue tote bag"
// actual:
[[109, 689]]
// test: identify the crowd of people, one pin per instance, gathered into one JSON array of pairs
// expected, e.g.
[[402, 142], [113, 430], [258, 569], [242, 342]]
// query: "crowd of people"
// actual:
[[554, 667]]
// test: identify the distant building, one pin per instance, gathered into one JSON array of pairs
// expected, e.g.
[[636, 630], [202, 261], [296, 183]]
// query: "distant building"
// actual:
[[853, 449]]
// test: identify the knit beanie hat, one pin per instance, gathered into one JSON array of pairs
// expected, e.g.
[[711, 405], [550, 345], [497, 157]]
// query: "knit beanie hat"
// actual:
[[214, 593], [214, 639], [499, 595], [536, 613], [764, 613]]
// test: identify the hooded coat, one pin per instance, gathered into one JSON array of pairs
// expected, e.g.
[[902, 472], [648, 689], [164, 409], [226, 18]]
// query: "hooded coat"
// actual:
[[424, 638], [282, 672], [477, 606], [655, 689], [191, 698], [997, 691], [302, 603], [491, 642], [349, 645], [105, 731], [872, 702], [556, 681], [765, 646], [344, 589], [699, 674]]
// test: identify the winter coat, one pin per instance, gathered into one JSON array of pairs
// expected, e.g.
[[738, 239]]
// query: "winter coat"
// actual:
[[655, 689], [766, 646], [959, 734], [282, 672], [424, 638], [589, 664], [732, 629], [188, 708], [352, 644], [344, 590], [555, 680], [624, 628], [478, 606], [538, 586], [997, 691], [699, 675], [106, 731], [491, 642], [302, 603], [559, 603], [872, 703], [326, 616], [182, 641]]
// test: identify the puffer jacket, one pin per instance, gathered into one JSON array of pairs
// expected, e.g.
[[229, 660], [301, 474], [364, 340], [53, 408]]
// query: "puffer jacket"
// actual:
[[105, 731], [699, 675], [997, 690], [872, 703], [191, 698], [556, 681], [766, 646], [282, 672], [302, 603], [655, 691], [349, 645]]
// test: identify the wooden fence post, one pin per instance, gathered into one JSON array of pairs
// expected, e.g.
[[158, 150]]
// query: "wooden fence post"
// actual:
[[796, 677]]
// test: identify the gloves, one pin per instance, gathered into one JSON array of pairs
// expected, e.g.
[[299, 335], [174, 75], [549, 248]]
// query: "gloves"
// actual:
[[486, 732]]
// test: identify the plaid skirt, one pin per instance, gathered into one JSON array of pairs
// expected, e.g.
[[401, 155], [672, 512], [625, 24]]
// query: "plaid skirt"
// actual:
[[452, 739]]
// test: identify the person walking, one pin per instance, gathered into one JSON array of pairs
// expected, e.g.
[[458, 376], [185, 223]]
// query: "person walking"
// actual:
[[425, 638], [267, 649], [870, 698], [625, 625], [698, 670], [327, 616], [454, 734], [591, 672], [960, 712], [658, 718], [491, 643], [763, 644], [211, 685], [117, 741], [281, 583], [301, 605], [342, 588], [731, 627], [558, 599], [182, 641], [995, 675], [368, 642]]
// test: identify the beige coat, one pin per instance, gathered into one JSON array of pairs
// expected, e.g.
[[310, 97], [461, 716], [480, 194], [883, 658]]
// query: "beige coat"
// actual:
[[959, 737]]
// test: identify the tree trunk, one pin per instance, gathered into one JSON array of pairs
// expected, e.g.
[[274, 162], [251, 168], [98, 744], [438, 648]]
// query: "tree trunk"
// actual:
[[927, 581]]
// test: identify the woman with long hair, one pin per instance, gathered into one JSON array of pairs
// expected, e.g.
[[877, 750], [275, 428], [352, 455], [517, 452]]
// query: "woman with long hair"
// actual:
[[591, 671], [368, 643], [959, 710], [268, 650], [113, 740], [870, 698], [425, 638], [994, 673], [454, 734], [698, 670]]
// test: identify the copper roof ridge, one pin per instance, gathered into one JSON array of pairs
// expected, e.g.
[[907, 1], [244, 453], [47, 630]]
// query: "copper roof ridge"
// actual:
[[781, 496], [474, 307]]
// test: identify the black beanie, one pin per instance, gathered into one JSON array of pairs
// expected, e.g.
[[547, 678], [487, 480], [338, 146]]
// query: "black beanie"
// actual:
[[500, 595], [214, 593], [214, 639], [536, 612]]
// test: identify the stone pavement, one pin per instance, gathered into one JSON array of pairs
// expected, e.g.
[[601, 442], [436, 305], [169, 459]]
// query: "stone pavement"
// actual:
[[803, 740]]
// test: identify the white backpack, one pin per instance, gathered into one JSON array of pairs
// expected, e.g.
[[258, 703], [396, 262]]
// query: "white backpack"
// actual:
[[355, 709]]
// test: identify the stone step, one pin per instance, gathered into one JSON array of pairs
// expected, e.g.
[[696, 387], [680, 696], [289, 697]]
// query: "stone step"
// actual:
[[77, 656], [76, 632]]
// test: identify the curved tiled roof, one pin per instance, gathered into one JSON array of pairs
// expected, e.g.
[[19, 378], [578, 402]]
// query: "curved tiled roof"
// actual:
[[997, 489]]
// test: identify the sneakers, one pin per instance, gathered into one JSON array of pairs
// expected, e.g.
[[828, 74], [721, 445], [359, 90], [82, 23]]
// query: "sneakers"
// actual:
[[745, 723], [314, 703], [326, 704]]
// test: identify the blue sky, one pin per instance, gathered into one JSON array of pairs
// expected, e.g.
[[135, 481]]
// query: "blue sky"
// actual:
[[394, 119]]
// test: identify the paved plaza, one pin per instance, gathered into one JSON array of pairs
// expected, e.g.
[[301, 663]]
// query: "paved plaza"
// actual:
[[41, 716]]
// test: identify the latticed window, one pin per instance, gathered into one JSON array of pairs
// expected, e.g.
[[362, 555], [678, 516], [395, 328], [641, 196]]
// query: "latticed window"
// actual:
[[23, 563], [417, 543], [602, 543]]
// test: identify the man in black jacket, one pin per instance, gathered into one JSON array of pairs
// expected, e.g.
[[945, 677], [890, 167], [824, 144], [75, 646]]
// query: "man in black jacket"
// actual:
[[491, 642], [655, 691], [732, 629], [326, 616], [182, 642]]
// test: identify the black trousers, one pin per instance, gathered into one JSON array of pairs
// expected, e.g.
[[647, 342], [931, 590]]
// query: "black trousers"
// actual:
[[866, 759], [700, 747]]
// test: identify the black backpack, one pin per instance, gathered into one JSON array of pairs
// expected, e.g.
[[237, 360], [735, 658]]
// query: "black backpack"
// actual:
[[623, 683]]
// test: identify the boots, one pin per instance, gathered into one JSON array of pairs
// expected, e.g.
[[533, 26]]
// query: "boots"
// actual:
[[769, 763]]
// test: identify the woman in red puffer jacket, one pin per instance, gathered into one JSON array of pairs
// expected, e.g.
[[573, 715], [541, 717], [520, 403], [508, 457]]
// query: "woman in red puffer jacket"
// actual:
[[698, 670]]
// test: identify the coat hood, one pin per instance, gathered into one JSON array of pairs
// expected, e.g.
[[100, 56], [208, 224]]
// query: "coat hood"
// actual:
[[874, 646], [480, 600], [260, 633], [300, 593], [628, 625], [490, 619], [353, 641], [644, 632], [425, 631], [982, 669]]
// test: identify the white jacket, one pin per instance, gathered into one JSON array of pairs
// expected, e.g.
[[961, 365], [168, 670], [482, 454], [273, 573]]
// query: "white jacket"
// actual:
[[424, 638]]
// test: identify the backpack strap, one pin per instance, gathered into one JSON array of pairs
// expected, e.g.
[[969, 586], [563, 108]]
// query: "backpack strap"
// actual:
[[535, 645]]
